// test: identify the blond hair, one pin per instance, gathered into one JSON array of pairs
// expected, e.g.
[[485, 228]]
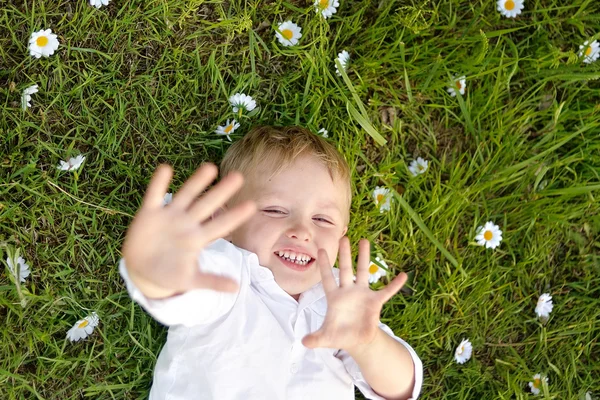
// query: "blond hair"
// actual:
[[275, 148]]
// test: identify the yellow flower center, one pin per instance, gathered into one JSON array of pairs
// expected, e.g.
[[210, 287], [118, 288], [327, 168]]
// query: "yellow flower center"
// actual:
[[228, 128], [487, 235], [509, 5], [588, 51], [83, 324], [460, 351], [458, 85], [373, 268], [380, 198], [288, 34], [537, 383], [41, 41], [420, 167], [323, 4]]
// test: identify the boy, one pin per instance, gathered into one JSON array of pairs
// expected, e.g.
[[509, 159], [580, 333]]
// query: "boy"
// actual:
[[244, 278]]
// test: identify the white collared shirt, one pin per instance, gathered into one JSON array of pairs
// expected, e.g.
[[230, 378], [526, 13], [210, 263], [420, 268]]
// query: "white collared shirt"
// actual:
[[247, 345]]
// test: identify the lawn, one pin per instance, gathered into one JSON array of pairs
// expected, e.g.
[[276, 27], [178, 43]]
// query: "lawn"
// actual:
[[138, 83]]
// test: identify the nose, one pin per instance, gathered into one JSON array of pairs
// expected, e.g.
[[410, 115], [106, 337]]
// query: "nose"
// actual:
[[299, 230]]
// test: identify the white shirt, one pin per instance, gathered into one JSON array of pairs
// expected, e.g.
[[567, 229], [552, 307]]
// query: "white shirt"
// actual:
[[247, 345]]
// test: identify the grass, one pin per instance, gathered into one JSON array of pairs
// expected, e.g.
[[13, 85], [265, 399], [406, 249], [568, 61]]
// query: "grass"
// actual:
[[138, 83]]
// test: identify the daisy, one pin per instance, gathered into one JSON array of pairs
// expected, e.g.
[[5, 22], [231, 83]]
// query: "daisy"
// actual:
[[23, 268], [383, 198], [463, 351], [344, 58], [459, 84], [510, 8], [26, 96], [288, 33], [167, 199], [375, 271], [83, 328], [43, 43], [326, 7], [537, 383], [544, 306], [241, 101], [99, 3], [323, 132], [418, 166], [72, 164], [590, 51], [227, 129], [489, 235]]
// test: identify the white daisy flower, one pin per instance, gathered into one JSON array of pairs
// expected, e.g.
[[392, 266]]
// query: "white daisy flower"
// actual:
[[167, 199], [418, 166], [23, 268], [588, 396], [241, 101], [344, 58], [43, 43], [99, 3], [323, 132], [227, 129], [590, 51], [489, 235], [544, 306], [459, 84], [510, 8], [375, 271], [463, 352], [326, 7], [26, 96], [383, 198], [288, 33], [72, 164], [536, 385], [83, 328]]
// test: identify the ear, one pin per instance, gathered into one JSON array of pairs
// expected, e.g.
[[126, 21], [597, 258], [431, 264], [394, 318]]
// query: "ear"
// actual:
[[345, 230]]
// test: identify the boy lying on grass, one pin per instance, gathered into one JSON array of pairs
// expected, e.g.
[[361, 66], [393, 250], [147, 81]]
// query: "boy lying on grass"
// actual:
[[243, 276]]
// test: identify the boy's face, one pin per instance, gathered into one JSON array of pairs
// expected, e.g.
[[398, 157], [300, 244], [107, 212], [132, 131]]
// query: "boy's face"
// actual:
[[299, 209]]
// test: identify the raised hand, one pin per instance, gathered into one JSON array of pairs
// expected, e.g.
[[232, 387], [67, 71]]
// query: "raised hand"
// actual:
[[162, 243], [353, 309]]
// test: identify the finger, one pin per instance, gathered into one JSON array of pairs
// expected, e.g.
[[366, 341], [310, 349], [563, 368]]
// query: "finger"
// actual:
[[327, 278], [226, 222], [214, 282], [364, 261], [194, 186], [210, 202], [346, 273], [392, 288], [313, 340], [158, 186]]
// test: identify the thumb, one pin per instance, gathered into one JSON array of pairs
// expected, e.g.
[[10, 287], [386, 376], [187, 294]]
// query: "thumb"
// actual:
[[311, 340]]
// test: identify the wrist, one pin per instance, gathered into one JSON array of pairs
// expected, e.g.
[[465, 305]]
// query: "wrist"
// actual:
[[147, 288]]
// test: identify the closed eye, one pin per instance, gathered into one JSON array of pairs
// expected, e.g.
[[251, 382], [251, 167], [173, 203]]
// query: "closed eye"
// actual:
[[323, 219]]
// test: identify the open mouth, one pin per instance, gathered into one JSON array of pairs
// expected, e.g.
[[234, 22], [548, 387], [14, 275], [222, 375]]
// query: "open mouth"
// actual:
[[300, 263]]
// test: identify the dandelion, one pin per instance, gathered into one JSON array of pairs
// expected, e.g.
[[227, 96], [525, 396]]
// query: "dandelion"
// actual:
[[240, 101], [383, 198], [227, 129], [83, 328], [26, 96], [463, 351], [326, 7], [510, 8], [375, 271], [418, 166], [71, 165], [99, 3], [23, 268], [591, 51], [288, 33], [344, 58], [43, 43], [167, 199], [459, 84], [537, 383], [323, 132], [544, 306], [489, 235]]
